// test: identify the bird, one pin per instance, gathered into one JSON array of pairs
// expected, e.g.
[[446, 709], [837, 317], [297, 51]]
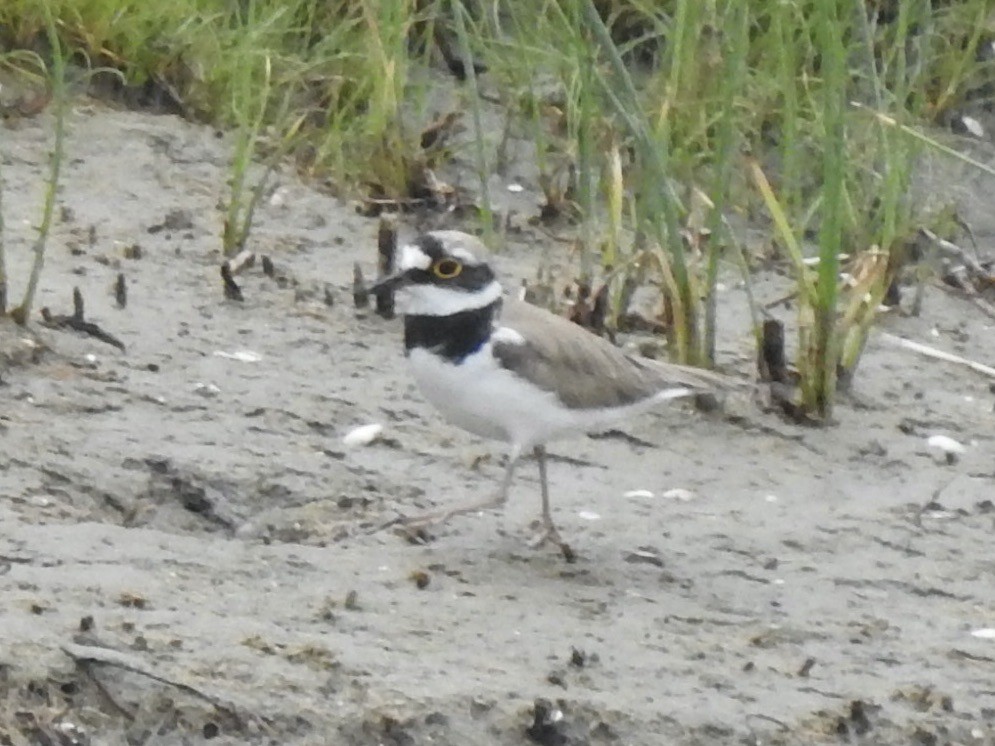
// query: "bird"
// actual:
[[506, 370]]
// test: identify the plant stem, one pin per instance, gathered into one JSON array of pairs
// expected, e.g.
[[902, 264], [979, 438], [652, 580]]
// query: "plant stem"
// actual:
[[821, 383], [251, 109], [57, 79]]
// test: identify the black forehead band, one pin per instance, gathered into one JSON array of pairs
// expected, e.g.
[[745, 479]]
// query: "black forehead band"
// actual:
[[432, 247], [473, 276]]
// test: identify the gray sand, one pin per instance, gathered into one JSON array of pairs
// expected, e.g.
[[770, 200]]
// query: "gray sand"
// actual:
[[801, 585]]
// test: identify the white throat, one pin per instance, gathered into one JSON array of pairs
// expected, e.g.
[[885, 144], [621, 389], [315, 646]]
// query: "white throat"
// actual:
[[434, 300]]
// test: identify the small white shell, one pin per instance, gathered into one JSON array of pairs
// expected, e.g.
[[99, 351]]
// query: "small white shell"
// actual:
[[945, 444], [516, 188], [363, 435], [986, 633]]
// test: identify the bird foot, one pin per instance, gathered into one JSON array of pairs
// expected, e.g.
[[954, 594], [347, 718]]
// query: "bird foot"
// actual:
[[550, 535]]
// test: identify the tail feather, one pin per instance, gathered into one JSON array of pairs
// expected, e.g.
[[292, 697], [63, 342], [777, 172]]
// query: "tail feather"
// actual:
[[686, 378]]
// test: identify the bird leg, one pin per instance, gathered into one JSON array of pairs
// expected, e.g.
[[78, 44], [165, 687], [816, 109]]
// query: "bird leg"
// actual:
[[499, 498], [549, 532]]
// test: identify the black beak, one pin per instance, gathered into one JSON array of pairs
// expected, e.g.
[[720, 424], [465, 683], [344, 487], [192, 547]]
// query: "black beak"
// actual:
[[389, 283], [383, 292]]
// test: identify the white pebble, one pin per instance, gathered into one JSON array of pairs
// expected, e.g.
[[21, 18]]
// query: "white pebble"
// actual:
[[279, 198], [363, 435], [207, 390], [973, 126], [985, 633], [770, 498], [242, 356], [516, 188], [640, 494], [589, 515], [945, 444], [679, 493]]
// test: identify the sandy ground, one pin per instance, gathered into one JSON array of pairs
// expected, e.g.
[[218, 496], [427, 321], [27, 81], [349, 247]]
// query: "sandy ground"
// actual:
[[179, 511]]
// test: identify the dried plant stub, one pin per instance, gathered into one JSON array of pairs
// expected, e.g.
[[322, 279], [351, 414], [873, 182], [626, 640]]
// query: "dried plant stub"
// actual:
[[232, 290], [120, 291], [386, 254], [360, 294]]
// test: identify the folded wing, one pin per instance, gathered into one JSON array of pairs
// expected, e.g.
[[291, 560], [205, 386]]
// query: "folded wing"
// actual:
[[583, 370]]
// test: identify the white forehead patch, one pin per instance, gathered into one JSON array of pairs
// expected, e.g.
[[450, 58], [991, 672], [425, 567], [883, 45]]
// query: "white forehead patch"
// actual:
[[460, 253], [413, 257]]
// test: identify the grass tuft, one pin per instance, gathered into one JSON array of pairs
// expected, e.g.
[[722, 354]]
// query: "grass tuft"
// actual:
[[653, 124]]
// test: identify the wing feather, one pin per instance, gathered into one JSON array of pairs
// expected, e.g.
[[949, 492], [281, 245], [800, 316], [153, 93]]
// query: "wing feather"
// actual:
[[583, 370]]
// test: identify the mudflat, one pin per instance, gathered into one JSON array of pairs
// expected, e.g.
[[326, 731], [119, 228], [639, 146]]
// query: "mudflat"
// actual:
[[188, 548]]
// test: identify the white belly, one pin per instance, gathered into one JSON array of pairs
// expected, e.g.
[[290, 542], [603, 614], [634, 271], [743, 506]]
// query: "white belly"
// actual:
[[485, 399]]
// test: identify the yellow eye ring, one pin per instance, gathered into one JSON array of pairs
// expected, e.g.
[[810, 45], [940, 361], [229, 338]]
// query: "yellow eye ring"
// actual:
[[446, 269]]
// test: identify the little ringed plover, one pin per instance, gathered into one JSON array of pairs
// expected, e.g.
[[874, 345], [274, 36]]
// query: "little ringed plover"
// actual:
[[506, 370]]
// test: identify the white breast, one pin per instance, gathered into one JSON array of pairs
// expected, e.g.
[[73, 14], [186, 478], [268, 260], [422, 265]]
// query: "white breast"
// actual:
[[485, 399]]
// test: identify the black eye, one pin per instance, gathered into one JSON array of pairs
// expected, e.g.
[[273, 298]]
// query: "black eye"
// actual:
[[447, 269]]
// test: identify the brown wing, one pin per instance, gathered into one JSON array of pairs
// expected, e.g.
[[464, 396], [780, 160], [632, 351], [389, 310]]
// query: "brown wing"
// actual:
[[584, 370]]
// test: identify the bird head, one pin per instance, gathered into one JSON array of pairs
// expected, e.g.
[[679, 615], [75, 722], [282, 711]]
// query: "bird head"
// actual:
[[442, 273]]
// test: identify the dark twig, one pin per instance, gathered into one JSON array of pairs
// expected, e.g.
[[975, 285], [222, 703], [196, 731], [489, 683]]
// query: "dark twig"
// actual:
[[965, 271], [78, 323], [232, 290], [952, 250], [86, 655]]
